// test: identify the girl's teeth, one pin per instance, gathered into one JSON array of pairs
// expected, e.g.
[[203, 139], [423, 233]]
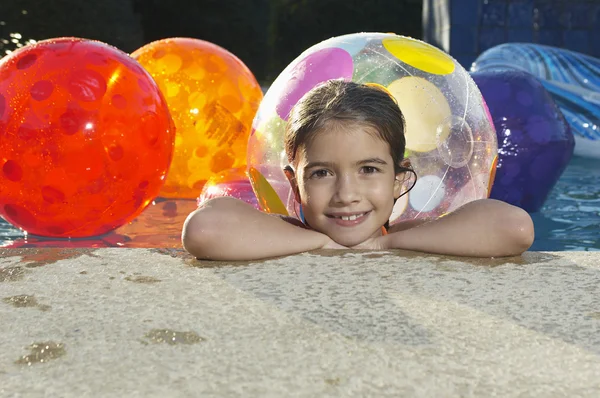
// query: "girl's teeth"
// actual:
[[351, 218]]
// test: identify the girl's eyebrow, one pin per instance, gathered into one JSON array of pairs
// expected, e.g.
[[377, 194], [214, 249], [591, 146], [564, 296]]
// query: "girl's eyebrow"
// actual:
[[376, 160], [371, 160], [312, 165]]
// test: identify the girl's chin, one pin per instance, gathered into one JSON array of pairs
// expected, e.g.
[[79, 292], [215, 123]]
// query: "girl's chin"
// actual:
[[350, 239]]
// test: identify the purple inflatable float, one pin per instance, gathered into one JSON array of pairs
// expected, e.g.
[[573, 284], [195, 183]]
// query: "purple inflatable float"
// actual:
[[535, 142]]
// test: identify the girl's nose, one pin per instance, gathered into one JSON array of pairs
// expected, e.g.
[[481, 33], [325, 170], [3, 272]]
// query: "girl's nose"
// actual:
[[346, 190]]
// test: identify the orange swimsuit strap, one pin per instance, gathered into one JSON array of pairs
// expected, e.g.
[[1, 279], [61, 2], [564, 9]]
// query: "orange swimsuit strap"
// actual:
[[384, 231]]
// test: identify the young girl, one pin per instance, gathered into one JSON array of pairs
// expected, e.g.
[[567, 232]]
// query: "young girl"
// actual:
[[345, 145]]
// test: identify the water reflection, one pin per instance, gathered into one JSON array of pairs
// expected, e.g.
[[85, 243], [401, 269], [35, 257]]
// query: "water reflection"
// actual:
[[158, 226]]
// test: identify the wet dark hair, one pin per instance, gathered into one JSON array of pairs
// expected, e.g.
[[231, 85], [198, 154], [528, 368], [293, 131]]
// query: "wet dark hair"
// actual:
[[339, 101], [345, 102]]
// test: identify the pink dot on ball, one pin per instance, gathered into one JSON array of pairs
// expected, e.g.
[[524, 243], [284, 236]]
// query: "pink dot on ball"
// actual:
[[115, 152], [118, 101], [12, 170], [26, 132], [18, 214], [96, 186], [26, 61], [318, 67], [41, 90], [150, 133], [487, 111], [52, 195], [87, 85], [71, 120]]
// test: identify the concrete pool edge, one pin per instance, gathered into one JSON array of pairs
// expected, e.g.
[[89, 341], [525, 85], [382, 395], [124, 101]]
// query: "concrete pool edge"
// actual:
[[157, 322]]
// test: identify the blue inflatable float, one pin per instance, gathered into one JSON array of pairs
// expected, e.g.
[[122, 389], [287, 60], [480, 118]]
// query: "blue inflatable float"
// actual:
[[573, 80]]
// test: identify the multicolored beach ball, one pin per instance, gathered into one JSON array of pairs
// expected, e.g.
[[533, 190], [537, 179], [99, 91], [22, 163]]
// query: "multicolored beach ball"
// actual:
[[450, 137]]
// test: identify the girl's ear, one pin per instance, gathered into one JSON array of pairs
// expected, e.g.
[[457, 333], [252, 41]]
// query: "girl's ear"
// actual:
[[291, 176], [405, 163], [401, 178]]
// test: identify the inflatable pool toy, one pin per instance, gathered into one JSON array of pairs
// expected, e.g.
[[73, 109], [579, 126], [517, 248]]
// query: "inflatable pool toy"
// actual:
[[573, 80], [230, 182], [450, 137], [85, 136], [535, 142], [213, 98]]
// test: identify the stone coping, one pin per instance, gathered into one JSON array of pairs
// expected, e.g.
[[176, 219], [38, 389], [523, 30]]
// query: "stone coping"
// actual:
[[156, 322]]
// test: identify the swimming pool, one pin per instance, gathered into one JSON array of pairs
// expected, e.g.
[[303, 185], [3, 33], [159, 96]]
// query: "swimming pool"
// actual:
[[570, 219]]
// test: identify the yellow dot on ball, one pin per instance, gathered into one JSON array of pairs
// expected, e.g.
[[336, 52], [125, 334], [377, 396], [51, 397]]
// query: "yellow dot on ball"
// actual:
[[197, 100], [178, 140], [169, 64], [382, 88], [420, 55], [425, 108], [195, 72], [172, 89], [268, 199], [492, 175]]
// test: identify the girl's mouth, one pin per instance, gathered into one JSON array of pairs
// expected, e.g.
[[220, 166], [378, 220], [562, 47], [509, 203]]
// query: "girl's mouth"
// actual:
[[349, 219]]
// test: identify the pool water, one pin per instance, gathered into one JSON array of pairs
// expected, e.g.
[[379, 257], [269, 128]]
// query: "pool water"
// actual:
[[570, 219]]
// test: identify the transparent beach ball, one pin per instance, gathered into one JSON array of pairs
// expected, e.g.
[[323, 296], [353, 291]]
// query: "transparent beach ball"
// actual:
[[450, 137]]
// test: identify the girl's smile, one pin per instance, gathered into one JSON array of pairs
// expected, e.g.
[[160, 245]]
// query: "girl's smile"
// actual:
[[348, 219]]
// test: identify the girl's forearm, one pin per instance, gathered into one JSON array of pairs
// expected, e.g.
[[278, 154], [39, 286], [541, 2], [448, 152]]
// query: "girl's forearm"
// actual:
[[229, 229], [485, 228]]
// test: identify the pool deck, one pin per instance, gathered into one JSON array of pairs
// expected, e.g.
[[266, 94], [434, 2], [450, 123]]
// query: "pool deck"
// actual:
[[156, 323]]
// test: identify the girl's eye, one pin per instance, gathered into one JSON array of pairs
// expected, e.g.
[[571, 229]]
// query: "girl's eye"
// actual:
[[319, 173], [370, 169]]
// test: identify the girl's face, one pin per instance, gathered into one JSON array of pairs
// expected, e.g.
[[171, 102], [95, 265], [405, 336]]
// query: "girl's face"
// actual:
[[346, 183]]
